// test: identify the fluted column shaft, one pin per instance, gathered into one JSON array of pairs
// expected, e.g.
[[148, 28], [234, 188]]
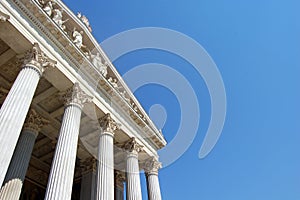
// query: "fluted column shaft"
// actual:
[[88, 186], [18, 167], [151, 167], [153, 187], [133, 185], [133, 177], [63, 165], [88, 179], [13, 113], [16, 105], [119, 185], [119, 192], [105, 167], [105, 171]]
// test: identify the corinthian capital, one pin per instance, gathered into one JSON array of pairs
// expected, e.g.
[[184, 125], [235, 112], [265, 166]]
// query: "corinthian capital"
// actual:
[[76, 96], [119, 178], [88, 165], [108, 124], [34, 122], [37, 58], [132, 146], [151, 166], [3, 17]]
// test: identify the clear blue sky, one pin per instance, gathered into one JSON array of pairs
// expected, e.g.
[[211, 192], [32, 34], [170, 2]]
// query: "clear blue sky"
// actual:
[[256, 46]]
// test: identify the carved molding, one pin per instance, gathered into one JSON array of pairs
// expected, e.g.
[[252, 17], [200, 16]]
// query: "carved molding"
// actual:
[[108, 124], [76, 96], [34, 122], [151, 166], [132, 146], [3, 17]]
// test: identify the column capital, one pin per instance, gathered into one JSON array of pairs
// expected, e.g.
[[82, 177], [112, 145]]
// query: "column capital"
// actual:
[[76, 96], [34, 122], [132, 146], [151, 166], [119, 178], [4, 17], [37, 59], [88, 165], [108, 124]]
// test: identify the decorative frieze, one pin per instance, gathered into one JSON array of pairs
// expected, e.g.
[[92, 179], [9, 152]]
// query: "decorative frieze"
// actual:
[[78, 38], [58, 18]]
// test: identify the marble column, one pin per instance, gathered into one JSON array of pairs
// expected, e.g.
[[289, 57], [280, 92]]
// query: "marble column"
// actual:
[[105, 168], [133, 184], [88, 180], [63, 165], [119, 185], [151, 168], [19, 163], [16, 105]]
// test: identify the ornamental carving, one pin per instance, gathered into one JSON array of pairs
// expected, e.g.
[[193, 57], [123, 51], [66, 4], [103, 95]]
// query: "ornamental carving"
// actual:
[[85, 21], [97, 61], [58, 19], [151, 166], [119, 178], [108, 124], [76, 96], [132, 146], [88, 165], [38, 58], [3, 17], [78, 38], [47, 7], [34, 122]]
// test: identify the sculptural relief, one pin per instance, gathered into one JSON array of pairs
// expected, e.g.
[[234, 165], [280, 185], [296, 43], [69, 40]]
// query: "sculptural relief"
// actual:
[[85, 20], [48, 7], [77, 38], [57, 18], [113, 82]]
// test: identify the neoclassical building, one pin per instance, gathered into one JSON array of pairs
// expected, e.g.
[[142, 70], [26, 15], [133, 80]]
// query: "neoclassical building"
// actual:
[[70, 128]]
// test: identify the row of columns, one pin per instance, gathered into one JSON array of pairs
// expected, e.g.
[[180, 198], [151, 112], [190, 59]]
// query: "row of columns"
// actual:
[[16, 148]]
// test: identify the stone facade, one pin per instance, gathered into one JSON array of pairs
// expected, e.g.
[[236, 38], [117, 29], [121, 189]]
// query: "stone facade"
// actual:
[[60, 136]]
